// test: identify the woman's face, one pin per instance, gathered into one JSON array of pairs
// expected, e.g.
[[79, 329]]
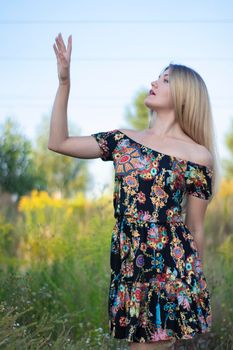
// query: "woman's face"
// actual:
[[159, 96]]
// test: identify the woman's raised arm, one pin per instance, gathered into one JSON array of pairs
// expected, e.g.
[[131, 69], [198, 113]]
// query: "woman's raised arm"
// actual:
[[59, 140]]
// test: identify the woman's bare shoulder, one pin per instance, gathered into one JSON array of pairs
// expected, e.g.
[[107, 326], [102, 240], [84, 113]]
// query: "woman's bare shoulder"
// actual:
[[187, 148], [129, 131], [135, 134]]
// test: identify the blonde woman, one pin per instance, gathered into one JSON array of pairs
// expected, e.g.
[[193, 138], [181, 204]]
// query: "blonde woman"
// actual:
[[165, 177]]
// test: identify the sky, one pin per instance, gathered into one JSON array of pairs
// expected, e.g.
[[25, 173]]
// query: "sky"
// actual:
[[118, 49]]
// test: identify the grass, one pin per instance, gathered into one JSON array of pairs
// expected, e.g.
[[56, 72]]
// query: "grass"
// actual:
[[55, 272]]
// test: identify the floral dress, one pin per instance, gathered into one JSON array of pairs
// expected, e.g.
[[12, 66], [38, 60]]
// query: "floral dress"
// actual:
[[157, 287]]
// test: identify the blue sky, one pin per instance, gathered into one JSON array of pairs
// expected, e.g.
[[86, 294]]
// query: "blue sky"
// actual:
[[118, 48]]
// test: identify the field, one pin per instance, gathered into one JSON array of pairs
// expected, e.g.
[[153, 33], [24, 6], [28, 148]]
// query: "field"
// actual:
[[55, 269]]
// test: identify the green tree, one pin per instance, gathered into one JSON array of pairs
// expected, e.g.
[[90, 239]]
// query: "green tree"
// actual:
[[137, 113], [17, 174], [63, 174], [228, 163]]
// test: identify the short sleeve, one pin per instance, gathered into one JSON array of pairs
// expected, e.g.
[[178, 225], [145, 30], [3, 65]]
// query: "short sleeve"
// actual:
[[198, 180], [107, 142]]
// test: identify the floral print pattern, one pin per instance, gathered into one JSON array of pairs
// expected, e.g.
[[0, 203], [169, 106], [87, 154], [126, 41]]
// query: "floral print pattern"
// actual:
[[157, 290]]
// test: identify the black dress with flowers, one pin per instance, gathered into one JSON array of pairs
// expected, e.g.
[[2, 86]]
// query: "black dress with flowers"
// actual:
[[157, 287]]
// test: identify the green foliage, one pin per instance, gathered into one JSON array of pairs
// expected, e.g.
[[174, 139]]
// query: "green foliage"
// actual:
[[228, 163], [23, 167], [17, 173], [66, 175], [70, 286], [137, 113], [54, 281], [227, 249], [8, 243], [22, 330]]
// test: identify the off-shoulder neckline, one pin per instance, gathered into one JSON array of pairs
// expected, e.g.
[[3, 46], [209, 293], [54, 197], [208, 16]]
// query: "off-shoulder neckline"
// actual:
[[165, 154]]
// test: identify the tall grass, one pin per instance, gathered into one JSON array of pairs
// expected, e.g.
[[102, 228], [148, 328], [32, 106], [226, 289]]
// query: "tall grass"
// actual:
[[55, 273]]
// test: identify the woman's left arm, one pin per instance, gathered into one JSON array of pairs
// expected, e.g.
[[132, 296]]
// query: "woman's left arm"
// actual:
[[194, 219]]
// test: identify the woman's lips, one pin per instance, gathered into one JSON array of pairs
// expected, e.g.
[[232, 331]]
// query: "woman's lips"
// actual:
[[151, 92]]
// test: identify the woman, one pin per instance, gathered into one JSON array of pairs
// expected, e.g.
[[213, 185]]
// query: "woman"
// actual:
[[165, 176]]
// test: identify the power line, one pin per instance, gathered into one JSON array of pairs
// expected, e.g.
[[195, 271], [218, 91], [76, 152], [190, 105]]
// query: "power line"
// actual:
[[39, 105], [25, 97], [88, 98], [85, 107], [127, 21], [84, 104], [115, 59]]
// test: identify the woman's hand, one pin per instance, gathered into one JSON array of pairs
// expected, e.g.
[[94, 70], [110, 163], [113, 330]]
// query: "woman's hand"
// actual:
[[63, 58]]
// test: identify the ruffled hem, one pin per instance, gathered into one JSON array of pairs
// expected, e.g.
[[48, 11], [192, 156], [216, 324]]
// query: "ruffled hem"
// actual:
[[173, 339]]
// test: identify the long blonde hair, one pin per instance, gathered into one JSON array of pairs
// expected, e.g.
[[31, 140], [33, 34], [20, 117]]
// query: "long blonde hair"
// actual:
[[193, 112]]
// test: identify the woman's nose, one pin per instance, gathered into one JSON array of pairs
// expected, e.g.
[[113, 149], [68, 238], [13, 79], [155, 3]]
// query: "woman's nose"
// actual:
[[154, 83]]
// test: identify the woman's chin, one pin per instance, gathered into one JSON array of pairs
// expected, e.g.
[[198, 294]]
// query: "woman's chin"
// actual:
[[148, 104]]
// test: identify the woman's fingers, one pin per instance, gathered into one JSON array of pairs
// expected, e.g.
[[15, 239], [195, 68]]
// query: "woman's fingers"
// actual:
[[61, 41], [59, 44], [60, 50], [56, 51], [69, 46]]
